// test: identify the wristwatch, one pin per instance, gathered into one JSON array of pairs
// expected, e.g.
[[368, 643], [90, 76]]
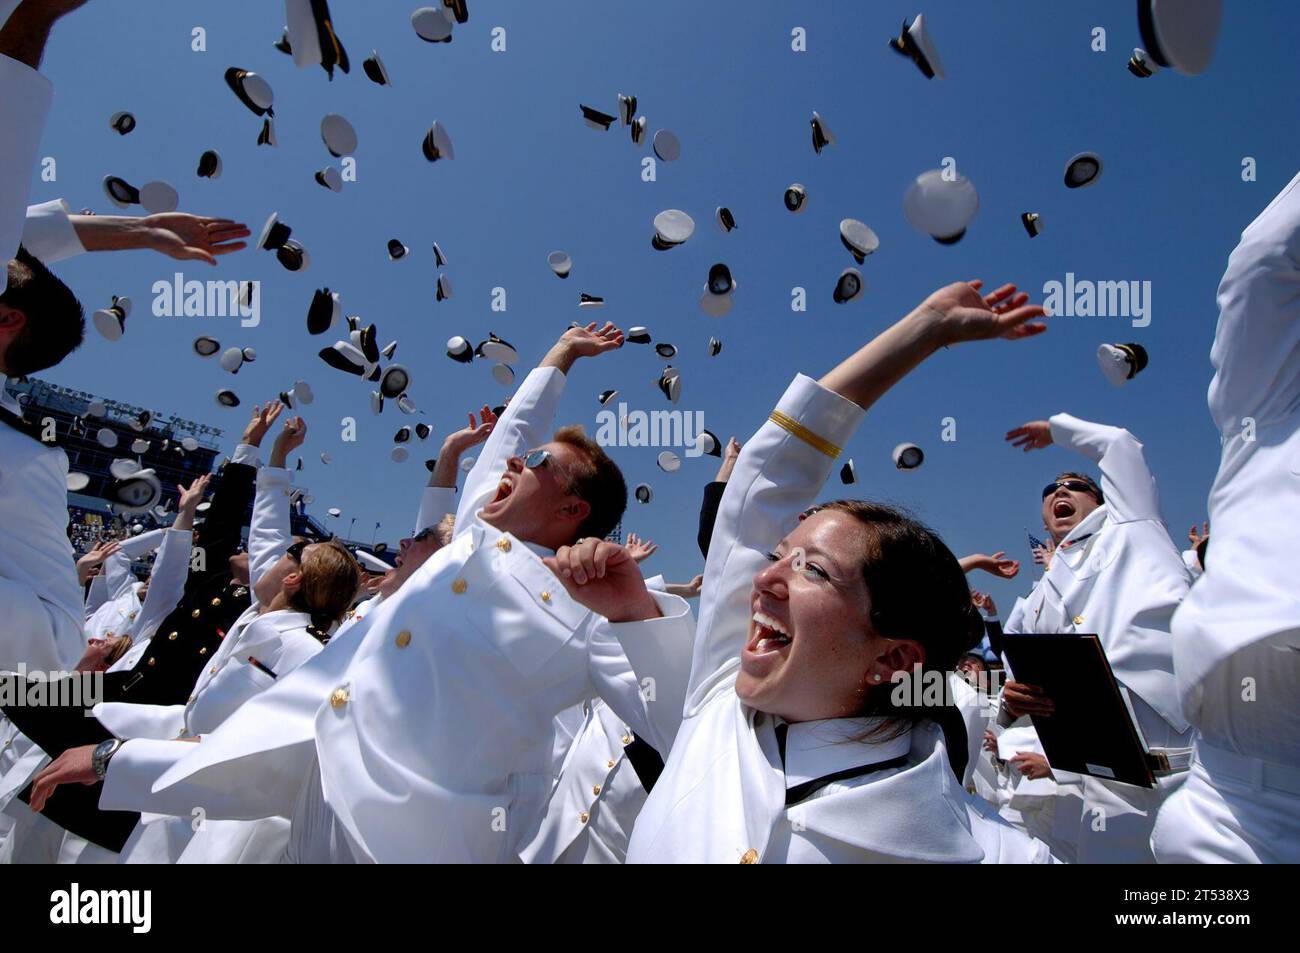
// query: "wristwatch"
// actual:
[[103, 753]]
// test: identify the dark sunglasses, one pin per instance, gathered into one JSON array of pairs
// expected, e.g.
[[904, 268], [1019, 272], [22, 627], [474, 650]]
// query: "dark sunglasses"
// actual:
[[1078, 486], [542, 458], [294, 552], [424, 534]]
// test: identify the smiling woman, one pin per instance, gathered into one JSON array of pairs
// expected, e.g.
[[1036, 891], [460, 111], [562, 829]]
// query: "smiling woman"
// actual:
[[794, 748]]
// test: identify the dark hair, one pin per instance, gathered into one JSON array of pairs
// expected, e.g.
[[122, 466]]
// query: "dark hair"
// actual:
[[918, 592], [331, 577], [1092, 484], [55, 323], [597, 480]]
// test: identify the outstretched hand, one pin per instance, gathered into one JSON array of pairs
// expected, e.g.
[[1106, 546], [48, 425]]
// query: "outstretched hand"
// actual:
[[263, 416], [997, 565], [471, 436], [193, 237], [967, 315], [639, 548], [1032, 436]]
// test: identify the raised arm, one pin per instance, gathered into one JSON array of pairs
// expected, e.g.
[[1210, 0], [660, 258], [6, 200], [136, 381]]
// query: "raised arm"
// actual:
[[1256, 352], [269, 533], [170, 569], [528, 417], [782, 468], [439, 497], [1126, 480]]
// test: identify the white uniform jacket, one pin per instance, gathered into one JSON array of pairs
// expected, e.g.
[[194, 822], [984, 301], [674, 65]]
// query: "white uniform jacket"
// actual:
[[431, 722], [1119, 575], [725, 795], [1240, 625], [40, 598], [23, 110]]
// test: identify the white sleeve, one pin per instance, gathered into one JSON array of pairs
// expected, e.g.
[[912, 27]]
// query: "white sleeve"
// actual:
[[1256, 352], [133, 770], [97, 594], [778, 475], [23, 109], [1126, 480], [166, 583], [246, 453], [268, 532], [117, 568], [641, 669], [49, 234], [524, 426], [127, 720], [435, 503]]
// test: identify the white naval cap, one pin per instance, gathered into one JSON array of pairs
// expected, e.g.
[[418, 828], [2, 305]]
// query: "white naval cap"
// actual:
[[158, 197], [709, 444], [560, 263], [311, 38], [458, 349], [136, 493], [1120, 363], [849, 286], [330, 178], [496, 349], [432, 24], [437, 143], [1033, 223], [858, 238], [396, 249], [1180, 33], [106, 438], [442, 290], [110, 322], [941, 207], [121, 192], [121, 123], [227, 398], [232, 358], [375, 70], [395, 381], [672, 227], [253, 91], [715, 347], [914, 41], [338, 135], [666, 145], [589, 301], [821, 134], [205, 346], [344, 356], [1082, 170], [209, 165], [1141, 65], [726, 221], [626, 108], [324, 311], [907, 456], [596, 119], [503, 374], [668, 461], [643, 493], [796, 197], [848, 474]]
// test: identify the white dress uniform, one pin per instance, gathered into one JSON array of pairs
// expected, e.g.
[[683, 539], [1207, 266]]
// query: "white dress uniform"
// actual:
[[166, 588], [726, 794], [1237, 635], [23, 110], [430, 726], [40, 597], [277, 640], [598, 791], [1118, 574], [265, 840]]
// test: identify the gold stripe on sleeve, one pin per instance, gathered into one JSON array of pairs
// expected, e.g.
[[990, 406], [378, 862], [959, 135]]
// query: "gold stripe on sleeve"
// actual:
[[793, 427]]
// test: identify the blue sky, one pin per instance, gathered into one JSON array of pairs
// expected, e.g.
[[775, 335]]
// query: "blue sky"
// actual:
[[1024, 92]]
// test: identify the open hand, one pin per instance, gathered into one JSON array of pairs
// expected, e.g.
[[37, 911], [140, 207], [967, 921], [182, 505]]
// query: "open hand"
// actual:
[[966, 315], [1032, 436], [193, 237]]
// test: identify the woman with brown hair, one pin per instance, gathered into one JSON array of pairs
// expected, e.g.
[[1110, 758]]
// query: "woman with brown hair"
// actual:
[[808, 734]]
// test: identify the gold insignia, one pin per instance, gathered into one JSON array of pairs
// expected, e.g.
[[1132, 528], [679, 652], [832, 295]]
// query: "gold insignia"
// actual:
[[595, 789], [339, 697], [403, 639], [583, 817], [503, 544], [546, 595], [459, 586], [749, 857]]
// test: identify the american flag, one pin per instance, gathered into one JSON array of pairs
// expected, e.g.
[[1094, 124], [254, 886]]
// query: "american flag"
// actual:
[[1034, 541]]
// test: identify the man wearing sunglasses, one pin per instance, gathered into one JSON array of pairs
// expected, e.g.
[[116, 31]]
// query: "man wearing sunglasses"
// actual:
[[478, 651], [1117, 573]]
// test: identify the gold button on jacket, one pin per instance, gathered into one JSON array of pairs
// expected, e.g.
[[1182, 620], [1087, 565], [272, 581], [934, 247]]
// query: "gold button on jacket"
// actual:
[[459, 586], [503, 544], [403, 639], [750, 857], [339, 697]]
